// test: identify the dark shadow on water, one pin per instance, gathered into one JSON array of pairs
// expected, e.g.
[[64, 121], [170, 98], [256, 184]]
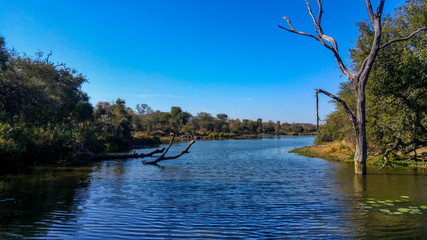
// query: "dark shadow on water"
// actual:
[[32, 199]]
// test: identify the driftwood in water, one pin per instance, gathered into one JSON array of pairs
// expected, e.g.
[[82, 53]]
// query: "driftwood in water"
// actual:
[[163, 156], [99, 157]]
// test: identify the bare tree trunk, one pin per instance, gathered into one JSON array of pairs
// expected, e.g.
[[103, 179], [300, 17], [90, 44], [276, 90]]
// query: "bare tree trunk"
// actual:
[[361, 154], [358, 79]]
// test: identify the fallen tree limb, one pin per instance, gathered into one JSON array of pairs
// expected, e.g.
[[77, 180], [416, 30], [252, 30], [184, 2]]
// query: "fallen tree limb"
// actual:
[[99, 157], [163, 156], [89, 157]]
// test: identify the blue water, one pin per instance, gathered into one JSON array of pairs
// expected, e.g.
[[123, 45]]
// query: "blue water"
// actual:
[[231, 189]]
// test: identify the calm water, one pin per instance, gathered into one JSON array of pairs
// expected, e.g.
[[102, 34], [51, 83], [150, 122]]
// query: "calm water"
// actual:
[[221, 190]]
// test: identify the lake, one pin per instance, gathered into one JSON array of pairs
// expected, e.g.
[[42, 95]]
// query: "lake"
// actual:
[[229, 189]]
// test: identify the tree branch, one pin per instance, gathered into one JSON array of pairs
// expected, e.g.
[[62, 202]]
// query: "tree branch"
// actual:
[[380, 9], [292, 30], [344, 104], [163, 156], [317, 111], [370, 11], [150, 154], [321, 37], [361, 76], [170, 144], [404, 39]]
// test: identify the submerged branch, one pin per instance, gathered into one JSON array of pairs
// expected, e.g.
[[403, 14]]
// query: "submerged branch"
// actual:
[[163, 156], [86, 157]]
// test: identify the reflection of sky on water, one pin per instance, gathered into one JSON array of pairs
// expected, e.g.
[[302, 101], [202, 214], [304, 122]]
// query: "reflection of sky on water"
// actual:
[[222, 189]]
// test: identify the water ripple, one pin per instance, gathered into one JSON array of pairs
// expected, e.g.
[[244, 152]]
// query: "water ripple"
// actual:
[[250, 189]]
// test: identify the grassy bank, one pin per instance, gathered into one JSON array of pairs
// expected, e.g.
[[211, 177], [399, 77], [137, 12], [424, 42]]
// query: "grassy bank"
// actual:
[[342, 152], [333, 151]]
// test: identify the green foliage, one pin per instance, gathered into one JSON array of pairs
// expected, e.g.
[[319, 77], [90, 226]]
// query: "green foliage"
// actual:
[[114, 124], [84, 111], [178, 118], [36, 91], [45, 115], [4, 55]]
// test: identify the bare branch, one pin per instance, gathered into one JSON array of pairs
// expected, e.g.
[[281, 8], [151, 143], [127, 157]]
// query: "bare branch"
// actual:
[[298, 32], [292, 30], [317, 111], [319, 17], [380, 9], [370, 11], [163, 158], [170, 144], [48, 56], [344, 104], [150, 154], [363, 73], [321, 37], [181, 153], [404, 39], [311, 12]]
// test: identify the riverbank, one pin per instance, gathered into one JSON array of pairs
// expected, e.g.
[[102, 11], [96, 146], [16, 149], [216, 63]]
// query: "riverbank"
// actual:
[[342, 152], [333, 151], [224, 136]]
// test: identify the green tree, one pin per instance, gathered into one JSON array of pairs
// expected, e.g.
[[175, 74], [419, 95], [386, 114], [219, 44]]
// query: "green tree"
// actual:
[[396, 90], [277, 128], [84, 111], [4, 55], [114, 123], [178, 118], [360, 74]]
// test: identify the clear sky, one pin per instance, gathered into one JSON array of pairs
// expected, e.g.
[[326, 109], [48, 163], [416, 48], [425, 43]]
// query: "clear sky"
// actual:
[[216, 56]]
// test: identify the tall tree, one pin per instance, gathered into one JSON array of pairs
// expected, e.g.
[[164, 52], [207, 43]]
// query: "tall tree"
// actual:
[[359, 77]]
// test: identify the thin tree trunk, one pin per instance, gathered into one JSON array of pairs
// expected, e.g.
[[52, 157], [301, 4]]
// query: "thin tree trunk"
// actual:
[[360, 136]]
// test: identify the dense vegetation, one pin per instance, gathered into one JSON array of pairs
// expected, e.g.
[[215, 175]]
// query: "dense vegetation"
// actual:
[[147, 121], [45, 115], [396, 99]]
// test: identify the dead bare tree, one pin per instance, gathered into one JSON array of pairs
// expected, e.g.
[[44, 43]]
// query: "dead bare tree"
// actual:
[[358, 79]]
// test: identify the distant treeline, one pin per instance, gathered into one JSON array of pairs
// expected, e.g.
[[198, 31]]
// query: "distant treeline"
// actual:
[[45, 116], [150, 122]]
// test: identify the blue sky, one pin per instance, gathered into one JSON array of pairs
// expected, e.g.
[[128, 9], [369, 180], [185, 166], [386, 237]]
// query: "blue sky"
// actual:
[[216, 56]]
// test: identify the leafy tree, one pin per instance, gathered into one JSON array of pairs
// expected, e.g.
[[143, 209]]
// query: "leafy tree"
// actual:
[[178, 118], [396, 90], [360, 74], [84, 111], [277, 128], [143, 109], [36, 91], [4, 55], [114, 123]]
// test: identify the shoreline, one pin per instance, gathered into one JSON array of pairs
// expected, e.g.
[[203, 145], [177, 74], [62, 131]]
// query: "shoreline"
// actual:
[[339, 152]]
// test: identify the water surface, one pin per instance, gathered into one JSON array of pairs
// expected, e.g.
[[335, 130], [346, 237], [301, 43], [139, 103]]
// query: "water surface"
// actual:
[[222, 189]]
